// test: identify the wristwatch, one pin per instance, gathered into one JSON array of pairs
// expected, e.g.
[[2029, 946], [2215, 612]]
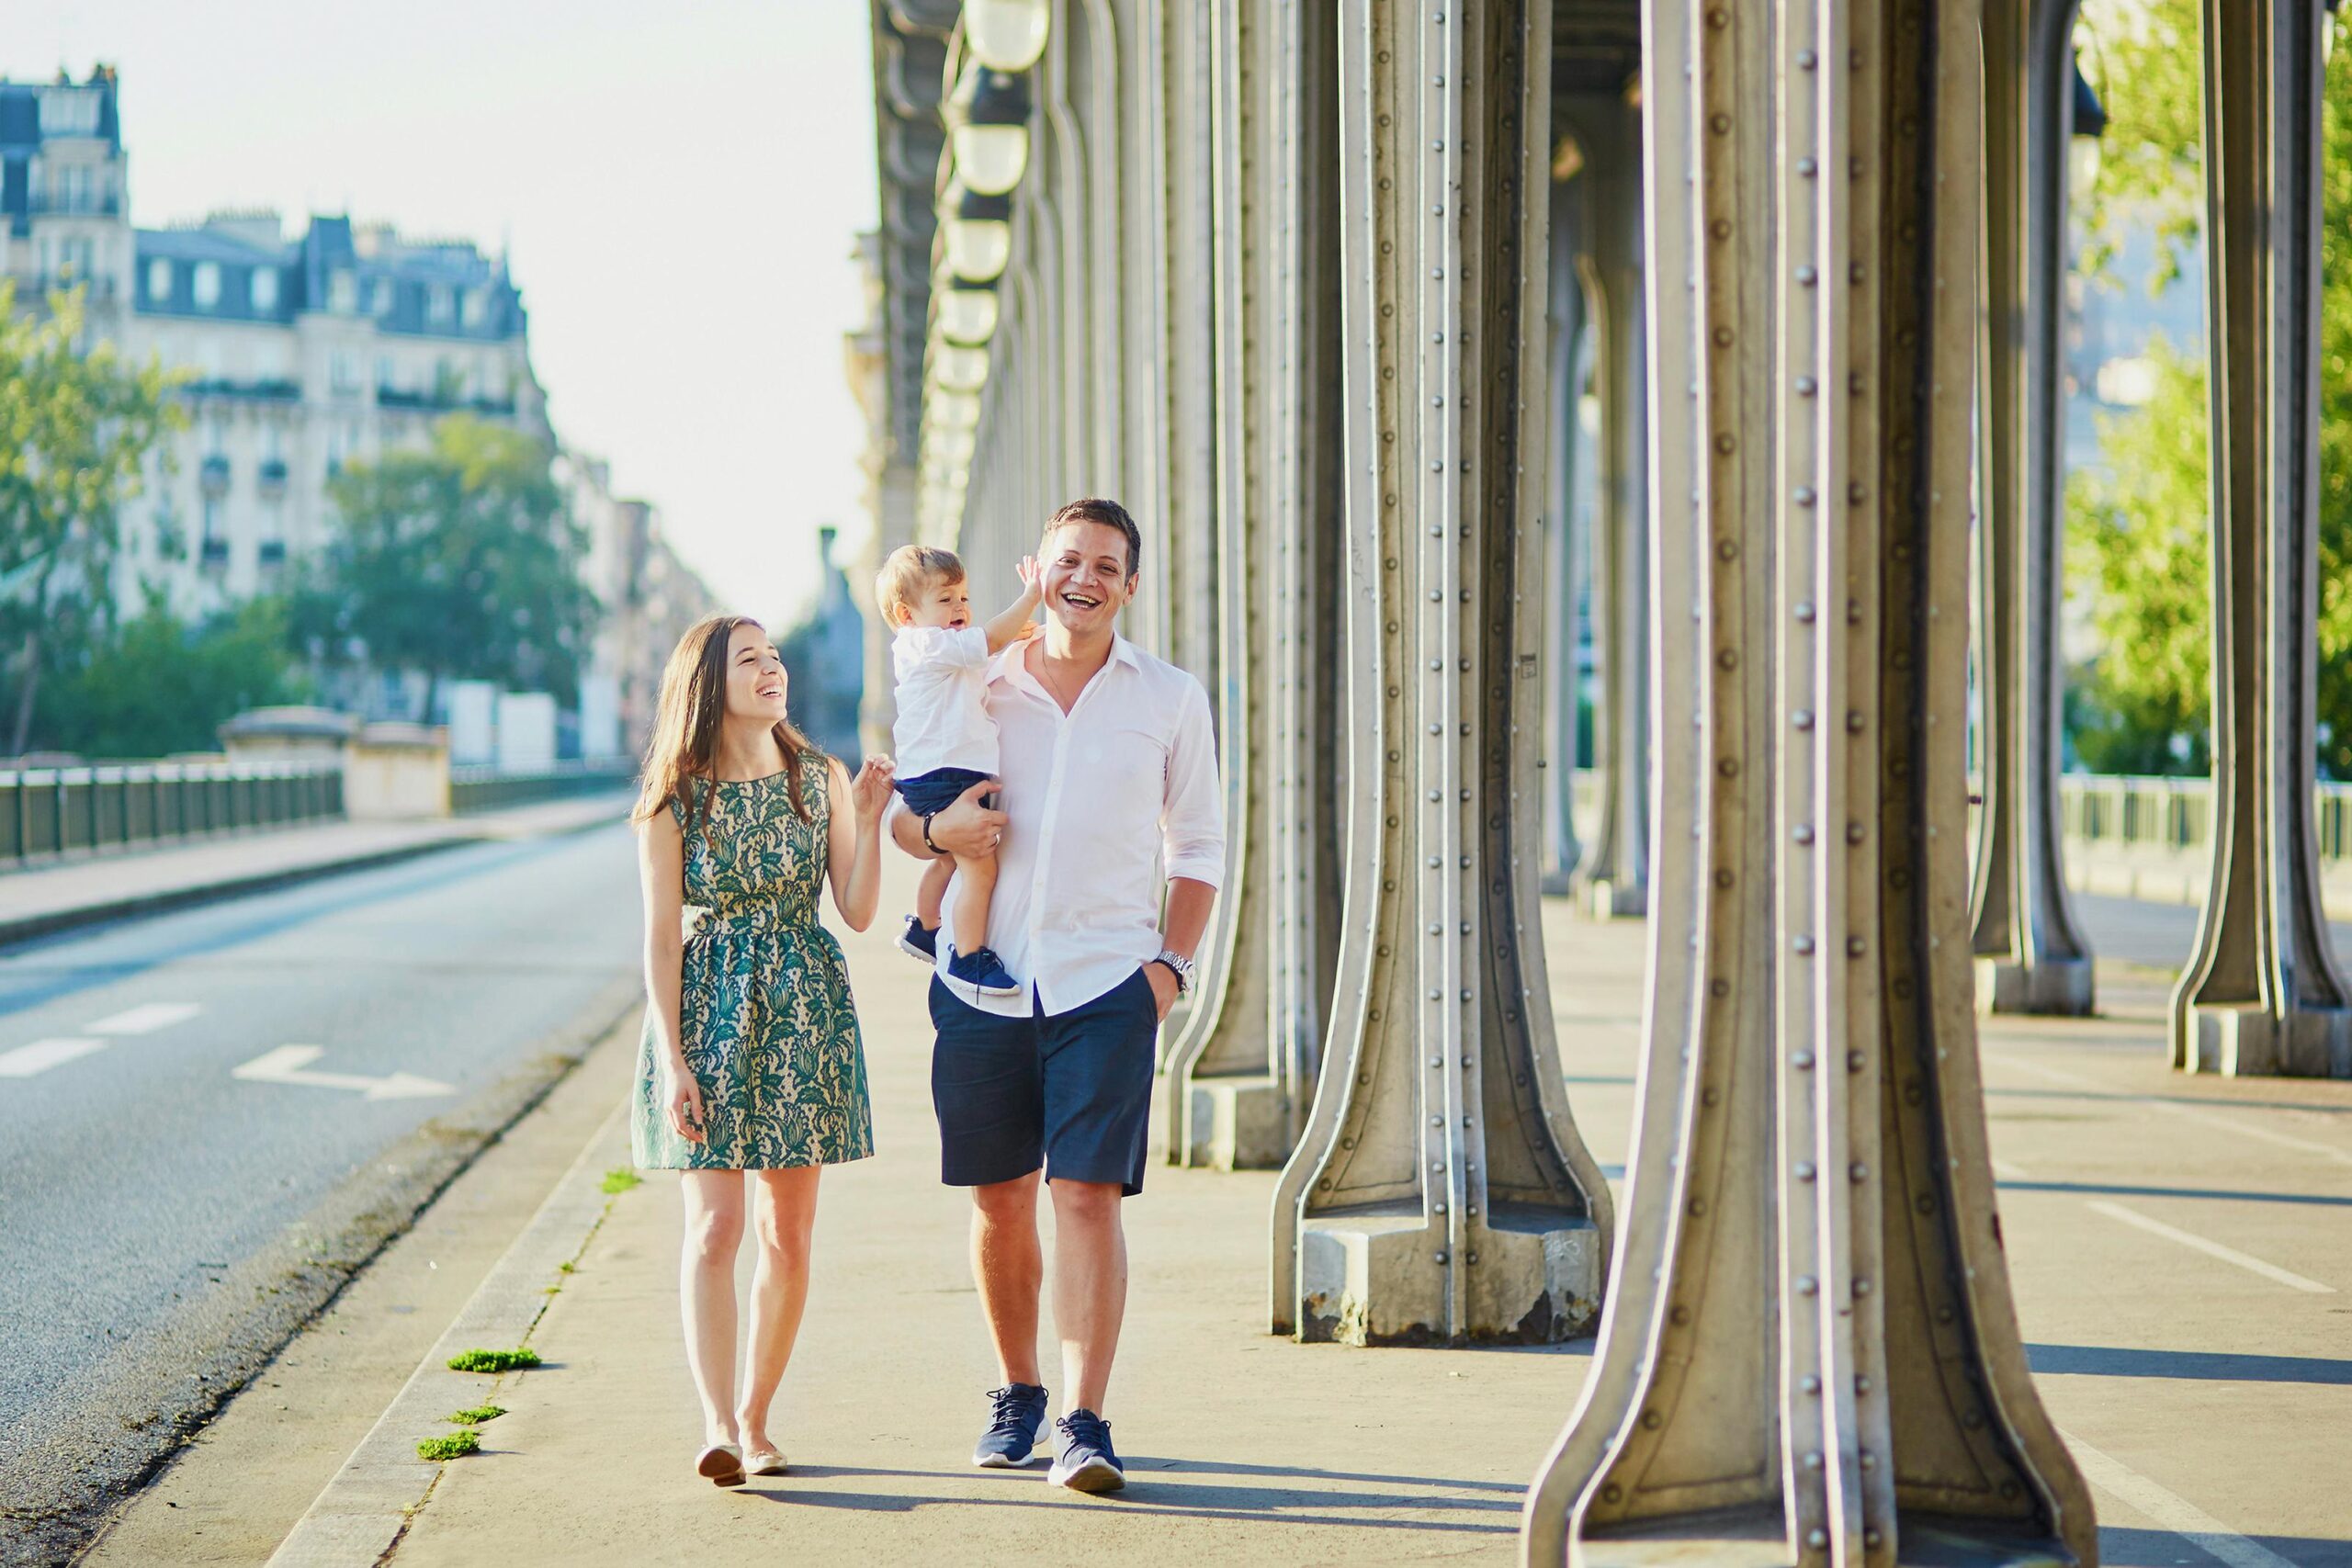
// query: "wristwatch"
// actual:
[[934, 849], [1178, 966]]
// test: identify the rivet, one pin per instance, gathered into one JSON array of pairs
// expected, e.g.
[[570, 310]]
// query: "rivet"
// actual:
[[1870, 1462], [1440, 1257], [1436, 1122], [1436, 468], [1809, 1383], [1801, 495], [1801, 719], [1806, 386], [1813, 1459], [1804, 833], [1858, 1171], [1804, 611], [1801, 1059], [1816, 1539], [1863, 1384], [1853, 1061], [1853, 833], [1807, 168], [1806, 1285], [1807, 60], [1861, 1287], [1651, 1420], [1806, 276], [1854, 947], [1805, 1170], [1871, 1537], [1803, 945], [1720, 124], [1470, 1257]]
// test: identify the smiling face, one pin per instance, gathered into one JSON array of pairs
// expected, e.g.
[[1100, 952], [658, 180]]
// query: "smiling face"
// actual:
[[1087, 577], [755, 680], [942, 603]]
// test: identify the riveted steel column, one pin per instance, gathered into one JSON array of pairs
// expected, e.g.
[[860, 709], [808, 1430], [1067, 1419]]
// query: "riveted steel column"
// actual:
[[1562, 851], [1440, 1192], [1614, 874], [1241, 1073], [1190, 280], [1809, 1354], [1144, 267], [2264, 993], [2032, 956]]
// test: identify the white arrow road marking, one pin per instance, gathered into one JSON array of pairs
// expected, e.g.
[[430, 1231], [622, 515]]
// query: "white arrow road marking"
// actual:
[[42, 1054], [146, 1019], [286, 1065]]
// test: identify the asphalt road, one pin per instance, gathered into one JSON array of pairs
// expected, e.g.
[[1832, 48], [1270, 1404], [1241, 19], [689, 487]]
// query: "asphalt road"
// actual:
[[159, 1208]]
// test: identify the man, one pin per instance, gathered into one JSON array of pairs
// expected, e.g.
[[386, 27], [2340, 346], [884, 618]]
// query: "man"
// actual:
[[1109, 784]]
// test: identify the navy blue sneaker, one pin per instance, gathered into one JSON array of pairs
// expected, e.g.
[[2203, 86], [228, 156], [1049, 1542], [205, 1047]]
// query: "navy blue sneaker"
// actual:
[[1086, 1462], [920, 942], [983, 971], [1016, 1415]]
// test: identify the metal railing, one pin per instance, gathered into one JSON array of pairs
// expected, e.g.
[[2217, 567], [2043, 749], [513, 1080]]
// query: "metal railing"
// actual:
[[487, 789], [55, 813], [2127, 812]]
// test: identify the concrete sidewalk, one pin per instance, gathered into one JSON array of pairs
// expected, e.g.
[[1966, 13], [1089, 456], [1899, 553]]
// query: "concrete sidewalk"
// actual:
[[83, 892], [2179, 1248]]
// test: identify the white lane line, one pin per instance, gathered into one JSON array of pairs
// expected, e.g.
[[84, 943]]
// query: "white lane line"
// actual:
[[145, 1019], [2009, 1170], [42, 1054], [2170, 1511], [2235, 1126], [2211, 1248]]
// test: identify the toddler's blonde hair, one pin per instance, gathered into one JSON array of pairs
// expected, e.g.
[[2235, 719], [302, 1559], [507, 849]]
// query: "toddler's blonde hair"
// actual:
[[911, 570]]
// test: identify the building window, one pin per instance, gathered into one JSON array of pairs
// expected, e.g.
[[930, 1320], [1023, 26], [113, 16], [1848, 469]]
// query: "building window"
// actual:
[[476, 308], [159, 279], [208, 285], [384, 373], [383, 306], [69, 112], [342, 294], [73, 257], [440, 305], [265, 289], [342, 372]]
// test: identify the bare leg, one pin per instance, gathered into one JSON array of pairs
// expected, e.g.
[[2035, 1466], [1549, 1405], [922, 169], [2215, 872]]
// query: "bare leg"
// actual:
[[1089, 1286], [784, 1209], [1009, 1266], [932, 892], [972, 895], [707, 1292]]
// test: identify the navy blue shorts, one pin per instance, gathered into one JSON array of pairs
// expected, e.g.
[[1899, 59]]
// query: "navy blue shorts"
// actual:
[[1068, 1091], [936, 790]]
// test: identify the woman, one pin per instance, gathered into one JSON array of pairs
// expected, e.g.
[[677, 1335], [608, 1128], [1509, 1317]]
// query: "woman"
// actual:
[[750, 1060]]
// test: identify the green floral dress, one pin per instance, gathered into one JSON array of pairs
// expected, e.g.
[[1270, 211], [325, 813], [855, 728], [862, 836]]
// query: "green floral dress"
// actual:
[[764, 1015]]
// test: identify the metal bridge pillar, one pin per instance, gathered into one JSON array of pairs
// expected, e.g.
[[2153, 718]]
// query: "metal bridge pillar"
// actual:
[[1614, 873], [2032, 957], [2263, 994], [1241, 1073], [1440, 1192], [1809, 1354], [1561, 577]]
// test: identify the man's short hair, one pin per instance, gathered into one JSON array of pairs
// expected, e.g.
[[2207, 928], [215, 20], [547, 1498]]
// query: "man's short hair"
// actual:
[[908, 573], [1111, 515]]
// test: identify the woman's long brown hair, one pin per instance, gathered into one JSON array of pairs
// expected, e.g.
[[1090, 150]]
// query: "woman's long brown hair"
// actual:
[[681, 756]]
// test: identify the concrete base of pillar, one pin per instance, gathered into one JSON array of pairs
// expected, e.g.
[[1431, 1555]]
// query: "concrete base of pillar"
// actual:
[[1608, 901], [2062, 986], [1237, 1125], [1558, 884], [1376, 1279], [2253, 1041]]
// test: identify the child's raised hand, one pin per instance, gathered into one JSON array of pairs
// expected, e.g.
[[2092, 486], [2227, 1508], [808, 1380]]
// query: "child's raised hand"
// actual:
[[1031, 577]]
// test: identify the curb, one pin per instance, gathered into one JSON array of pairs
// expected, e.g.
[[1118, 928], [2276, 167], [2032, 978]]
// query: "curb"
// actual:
[[31, 928], [359, 1519]]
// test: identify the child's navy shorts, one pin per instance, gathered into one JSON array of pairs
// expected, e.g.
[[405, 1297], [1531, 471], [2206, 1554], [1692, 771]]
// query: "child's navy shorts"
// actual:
[[936, 790]]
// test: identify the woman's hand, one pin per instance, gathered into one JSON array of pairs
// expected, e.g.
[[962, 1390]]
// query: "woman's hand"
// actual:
[[681, 1099], [870, 791]]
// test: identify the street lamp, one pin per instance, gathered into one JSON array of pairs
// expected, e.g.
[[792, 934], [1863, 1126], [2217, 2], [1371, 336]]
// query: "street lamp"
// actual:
[[977, 230], [1007, 35], [959, 369], [988, 129], [951, 446], [953, 410], [2091, 124], [967, 313]]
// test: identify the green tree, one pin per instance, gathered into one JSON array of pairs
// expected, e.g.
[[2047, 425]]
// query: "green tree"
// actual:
[[2140, 533], [460, 561], [161, 685], [75, 428]]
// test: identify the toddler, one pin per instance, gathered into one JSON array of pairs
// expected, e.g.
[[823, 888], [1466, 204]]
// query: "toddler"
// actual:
[[944, 741]]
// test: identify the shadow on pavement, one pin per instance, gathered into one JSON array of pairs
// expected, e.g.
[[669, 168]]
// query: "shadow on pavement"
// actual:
[[2219, 1194], [2162, 1549], [2217, 1366]]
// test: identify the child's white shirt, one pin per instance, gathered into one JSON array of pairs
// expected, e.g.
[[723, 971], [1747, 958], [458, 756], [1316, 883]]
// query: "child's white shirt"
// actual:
[[942, 676]]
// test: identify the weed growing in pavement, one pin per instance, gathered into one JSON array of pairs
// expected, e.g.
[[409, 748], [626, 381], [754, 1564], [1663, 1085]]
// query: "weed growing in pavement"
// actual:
[[478, 1415], [522, 1355], [565, 1268], [620, 1178], [457, 1445]]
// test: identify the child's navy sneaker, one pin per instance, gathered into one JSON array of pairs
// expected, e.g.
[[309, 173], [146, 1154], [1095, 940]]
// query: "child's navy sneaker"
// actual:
[[920, 942], [984, 972]]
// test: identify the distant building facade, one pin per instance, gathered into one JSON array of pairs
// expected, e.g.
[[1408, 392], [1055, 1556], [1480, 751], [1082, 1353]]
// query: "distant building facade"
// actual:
[[306, 354], [650, 597]]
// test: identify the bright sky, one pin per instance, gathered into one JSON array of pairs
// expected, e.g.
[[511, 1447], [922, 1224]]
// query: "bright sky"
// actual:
[[681, 187]]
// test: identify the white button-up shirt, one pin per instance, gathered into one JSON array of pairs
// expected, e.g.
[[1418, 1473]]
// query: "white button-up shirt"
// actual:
[[941, 691], [1104, 803]]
